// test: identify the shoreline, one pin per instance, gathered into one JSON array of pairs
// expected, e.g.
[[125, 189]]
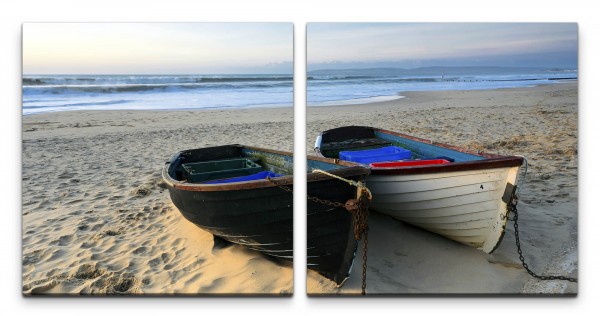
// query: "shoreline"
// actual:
[[349, 102], [277, 106], [424, 96], [403, 94]]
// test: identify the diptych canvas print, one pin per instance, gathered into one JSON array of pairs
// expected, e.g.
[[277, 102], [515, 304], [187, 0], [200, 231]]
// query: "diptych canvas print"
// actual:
[[158, 159]]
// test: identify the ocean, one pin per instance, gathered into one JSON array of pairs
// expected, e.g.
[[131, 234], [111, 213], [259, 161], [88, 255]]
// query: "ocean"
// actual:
[[51, 93], [356, 86]]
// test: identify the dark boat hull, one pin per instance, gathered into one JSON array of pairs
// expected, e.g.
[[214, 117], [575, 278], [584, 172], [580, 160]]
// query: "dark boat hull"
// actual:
[[259, 214], [259, 219]]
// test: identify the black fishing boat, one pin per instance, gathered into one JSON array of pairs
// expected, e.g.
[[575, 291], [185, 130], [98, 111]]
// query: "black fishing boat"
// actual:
[[244, 195]]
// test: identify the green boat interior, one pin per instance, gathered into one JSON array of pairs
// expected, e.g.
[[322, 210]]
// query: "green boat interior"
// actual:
[[227, 164]]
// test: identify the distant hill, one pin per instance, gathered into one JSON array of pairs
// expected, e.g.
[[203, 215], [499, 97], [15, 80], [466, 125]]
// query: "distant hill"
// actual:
[[432, 71]]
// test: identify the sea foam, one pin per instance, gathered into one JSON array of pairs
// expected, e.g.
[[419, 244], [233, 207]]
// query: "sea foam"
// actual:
[[48, 93]]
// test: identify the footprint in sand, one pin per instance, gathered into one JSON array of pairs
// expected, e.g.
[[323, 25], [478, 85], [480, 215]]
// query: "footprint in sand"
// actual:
[[65, 240], [169, 266], [213, 286], [87, 271], [88, 244], [177, 243], [83, 227], [166, 257], [113, 232], [33, 257], [154, 262], [97, 227], [67, 175], [40, 286], [124, 285], [140, 250], [141, 192]]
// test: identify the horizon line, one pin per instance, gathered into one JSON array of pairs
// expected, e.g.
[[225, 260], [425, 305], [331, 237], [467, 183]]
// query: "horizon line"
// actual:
[[441, 66], [150, 74]]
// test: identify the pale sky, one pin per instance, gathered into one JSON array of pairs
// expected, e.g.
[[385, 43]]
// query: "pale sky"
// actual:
[[411, 45], [157, 48]]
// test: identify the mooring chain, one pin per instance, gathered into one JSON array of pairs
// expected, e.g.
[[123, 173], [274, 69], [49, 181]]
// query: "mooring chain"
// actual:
[[312, 198], [359, 208], [360, 216], [512, 208]]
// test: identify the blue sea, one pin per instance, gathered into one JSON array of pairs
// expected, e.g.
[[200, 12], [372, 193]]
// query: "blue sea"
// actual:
[[355, 86], [50, 93]]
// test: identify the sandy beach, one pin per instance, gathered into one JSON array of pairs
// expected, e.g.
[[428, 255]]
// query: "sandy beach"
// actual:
[[97, 219], [539, 123]]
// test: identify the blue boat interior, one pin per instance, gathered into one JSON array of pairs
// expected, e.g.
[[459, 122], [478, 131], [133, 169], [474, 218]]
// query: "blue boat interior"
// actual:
[[422, 150], [388, 153], [366, 145], [255, 176]]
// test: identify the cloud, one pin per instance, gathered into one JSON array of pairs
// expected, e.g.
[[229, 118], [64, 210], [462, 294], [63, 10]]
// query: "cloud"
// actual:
[[434, 43]]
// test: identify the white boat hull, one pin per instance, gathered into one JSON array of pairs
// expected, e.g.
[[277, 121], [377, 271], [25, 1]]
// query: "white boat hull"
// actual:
[[465, 206]]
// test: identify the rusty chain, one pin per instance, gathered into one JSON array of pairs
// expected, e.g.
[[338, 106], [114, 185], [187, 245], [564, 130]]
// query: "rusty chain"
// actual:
[[361, 224], [512, 208], [360, 215], [312, 198]]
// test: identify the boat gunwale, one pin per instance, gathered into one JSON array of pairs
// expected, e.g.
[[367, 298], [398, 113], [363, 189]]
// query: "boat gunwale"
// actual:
[[351, 169], [491, 161], [504, 162]]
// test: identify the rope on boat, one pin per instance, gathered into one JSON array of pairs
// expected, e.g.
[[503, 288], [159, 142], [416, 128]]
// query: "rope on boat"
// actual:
[[360, 186], [521, 181], [360, 217]]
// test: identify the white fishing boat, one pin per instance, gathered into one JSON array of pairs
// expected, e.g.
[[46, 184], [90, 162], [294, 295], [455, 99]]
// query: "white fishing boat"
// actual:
[[457, 193]]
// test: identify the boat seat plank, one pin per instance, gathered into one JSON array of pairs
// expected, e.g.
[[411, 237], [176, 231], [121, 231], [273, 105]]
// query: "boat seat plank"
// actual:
[[355, 143]]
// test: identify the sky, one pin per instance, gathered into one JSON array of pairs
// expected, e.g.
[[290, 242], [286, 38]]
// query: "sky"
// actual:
[[157, 48], [413, 45]]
